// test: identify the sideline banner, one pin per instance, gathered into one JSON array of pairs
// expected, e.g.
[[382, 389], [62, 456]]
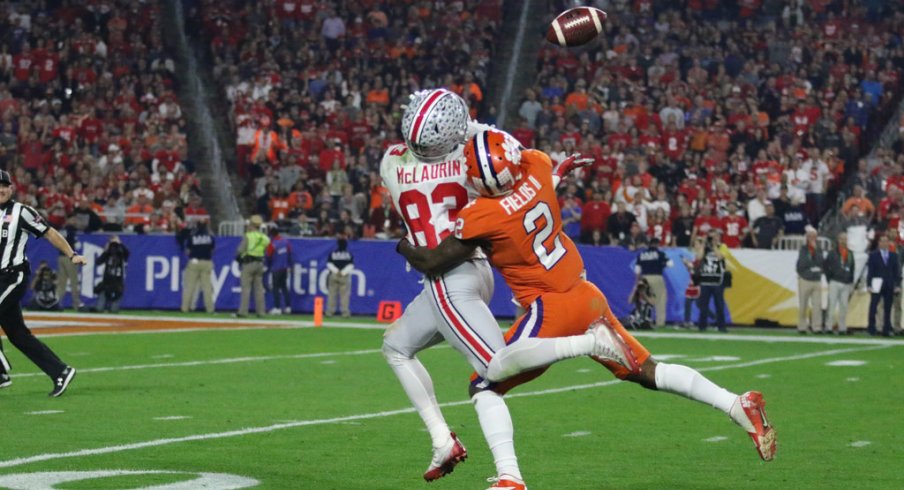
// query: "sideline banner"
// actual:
[[154, 273], [765, 282]]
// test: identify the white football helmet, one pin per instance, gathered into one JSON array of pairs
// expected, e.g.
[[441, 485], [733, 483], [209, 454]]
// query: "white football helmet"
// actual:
[[435, 122]]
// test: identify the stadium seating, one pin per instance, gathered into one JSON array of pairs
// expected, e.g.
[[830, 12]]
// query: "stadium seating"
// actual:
[[89, 118], [716, 100], [316, 88]]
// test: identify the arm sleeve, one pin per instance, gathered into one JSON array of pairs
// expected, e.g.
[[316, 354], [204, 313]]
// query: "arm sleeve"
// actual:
[[32, 222]]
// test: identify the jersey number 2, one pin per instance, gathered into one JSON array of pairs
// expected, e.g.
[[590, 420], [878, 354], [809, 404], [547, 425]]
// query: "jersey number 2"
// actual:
[[546, 257]]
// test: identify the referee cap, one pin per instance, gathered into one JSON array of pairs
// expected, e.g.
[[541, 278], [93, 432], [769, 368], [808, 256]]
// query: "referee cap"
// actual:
[[5, 178]]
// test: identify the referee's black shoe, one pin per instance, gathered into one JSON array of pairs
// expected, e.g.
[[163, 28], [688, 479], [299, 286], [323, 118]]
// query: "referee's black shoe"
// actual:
[[5, 380], [63, 382]]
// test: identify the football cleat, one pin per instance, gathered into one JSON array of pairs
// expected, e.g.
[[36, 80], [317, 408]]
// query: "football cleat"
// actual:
[[5, 380], [749, 411], [611, 346], [62, 382], [506, 483], [446, 458]]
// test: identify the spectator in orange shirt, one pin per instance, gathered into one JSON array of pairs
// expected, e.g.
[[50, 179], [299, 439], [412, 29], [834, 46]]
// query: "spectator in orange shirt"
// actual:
[[300, 200], [279, 206], [579, 100], [138, 215], [379, 95], [864, 206]]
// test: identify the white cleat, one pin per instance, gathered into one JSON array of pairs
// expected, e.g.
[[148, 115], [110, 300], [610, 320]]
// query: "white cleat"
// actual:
[[445, 458], [610, 346]]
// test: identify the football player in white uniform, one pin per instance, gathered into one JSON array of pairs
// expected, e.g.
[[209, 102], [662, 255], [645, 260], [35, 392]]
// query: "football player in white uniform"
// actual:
[[426, 177]]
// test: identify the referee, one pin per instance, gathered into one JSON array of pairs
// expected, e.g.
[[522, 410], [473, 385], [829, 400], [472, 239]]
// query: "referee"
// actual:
[[15, 220]]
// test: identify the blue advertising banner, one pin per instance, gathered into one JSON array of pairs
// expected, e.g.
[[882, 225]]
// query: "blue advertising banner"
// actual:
[[154, 274]]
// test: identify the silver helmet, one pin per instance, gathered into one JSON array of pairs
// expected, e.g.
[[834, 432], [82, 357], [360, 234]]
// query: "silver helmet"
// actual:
[[435, 122]]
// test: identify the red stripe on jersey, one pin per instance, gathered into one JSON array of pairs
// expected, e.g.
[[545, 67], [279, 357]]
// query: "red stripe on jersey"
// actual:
[[457, 324]]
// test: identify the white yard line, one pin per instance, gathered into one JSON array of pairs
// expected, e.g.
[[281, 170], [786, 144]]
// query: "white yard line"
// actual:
[[315, 355], [231, 360], [790, 339], [307, 423]]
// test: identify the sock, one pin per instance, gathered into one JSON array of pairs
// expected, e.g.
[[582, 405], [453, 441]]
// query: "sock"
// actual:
[[531, 353], [419, 387], [498, 430], [687, 382]]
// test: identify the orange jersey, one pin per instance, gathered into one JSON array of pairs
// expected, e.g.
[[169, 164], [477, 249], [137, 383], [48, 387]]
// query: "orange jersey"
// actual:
[[524, 230]]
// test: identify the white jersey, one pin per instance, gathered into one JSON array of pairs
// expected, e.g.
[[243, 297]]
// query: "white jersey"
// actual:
[[428, 196]]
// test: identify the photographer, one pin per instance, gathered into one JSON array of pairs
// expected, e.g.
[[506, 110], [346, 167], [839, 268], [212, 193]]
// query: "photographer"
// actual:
[[44, 288], [711, 272], [110, 289]]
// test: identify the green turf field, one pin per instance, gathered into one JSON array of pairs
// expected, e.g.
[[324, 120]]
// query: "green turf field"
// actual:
[[319, 409]]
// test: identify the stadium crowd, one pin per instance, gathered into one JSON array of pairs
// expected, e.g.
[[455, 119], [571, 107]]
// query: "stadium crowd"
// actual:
[[316, 90], [705, 115], [90, 125]]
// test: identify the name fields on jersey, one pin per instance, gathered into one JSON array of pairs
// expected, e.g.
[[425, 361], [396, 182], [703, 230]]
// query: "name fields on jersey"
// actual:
[[522, 195], [425, 172]]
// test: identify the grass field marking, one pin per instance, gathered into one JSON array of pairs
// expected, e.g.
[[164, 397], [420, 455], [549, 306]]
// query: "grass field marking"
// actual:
[[716, 439], [860, 443], [579, 433], [44, 412], [232, 360], [799, 357], [389, 413], [348, 353], [846, 363], [768, 338]]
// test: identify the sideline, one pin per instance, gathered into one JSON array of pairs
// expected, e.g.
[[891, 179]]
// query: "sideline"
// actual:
[[307, 423], [108, 327]]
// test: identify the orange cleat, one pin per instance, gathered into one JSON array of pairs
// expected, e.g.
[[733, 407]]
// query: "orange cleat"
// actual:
[[506, 483], [749, 411]]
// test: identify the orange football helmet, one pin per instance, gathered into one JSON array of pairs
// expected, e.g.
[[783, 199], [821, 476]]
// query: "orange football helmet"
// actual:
[[494, 162]]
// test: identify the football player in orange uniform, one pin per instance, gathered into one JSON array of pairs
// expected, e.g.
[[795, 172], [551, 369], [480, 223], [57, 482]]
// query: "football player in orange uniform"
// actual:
[[517, 222]]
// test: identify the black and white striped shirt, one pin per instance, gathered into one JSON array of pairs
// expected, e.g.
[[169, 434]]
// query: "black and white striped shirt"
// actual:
[[16, 219]]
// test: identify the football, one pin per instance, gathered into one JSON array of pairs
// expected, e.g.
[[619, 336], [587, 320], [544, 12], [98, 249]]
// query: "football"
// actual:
[[576, 26]]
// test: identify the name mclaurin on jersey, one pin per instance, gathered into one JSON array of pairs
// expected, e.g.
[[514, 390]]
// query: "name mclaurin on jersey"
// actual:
[[521, 196], [421, 173]]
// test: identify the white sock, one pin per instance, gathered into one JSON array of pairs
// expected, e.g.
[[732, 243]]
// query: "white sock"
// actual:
[[498, 430], [419, 387], [531, 353], [687, 382]]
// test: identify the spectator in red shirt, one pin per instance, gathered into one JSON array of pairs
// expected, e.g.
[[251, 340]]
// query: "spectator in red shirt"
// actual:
[[331, 154], [704, 222], [734, 227], [595, 216]]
